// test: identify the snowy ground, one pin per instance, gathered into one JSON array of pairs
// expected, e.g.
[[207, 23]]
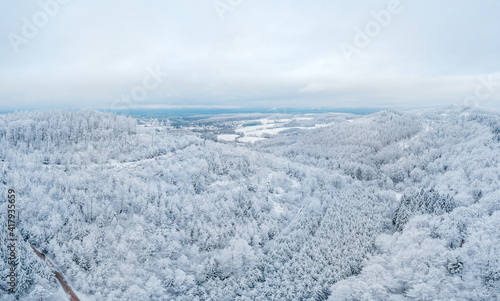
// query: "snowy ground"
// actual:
[[268, 127]]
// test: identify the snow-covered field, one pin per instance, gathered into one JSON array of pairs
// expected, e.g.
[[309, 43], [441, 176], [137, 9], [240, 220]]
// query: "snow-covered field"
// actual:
[[266, 128], [227, 137]]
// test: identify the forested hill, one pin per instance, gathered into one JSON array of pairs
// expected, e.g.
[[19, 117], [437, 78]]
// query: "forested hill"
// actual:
[[390, 206], [445, 166]]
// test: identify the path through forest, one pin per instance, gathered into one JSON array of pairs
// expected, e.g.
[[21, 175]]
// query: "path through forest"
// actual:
[[59, 276]]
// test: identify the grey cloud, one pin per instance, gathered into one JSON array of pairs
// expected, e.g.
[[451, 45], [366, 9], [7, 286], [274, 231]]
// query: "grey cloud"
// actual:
[[263, 53]]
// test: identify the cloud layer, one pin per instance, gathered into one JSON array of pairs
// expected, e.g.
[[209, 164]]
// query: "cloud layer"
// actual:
[[249, 53]]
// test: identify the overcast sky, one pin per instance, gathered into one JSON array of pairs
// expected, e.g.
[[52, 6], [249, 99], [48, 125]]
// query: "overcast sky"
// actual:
[[295, 53]]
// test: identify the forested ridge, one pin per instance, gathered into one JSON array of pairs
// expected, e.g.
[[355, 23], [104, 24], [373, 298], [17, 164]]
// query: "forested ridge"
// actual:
[[390, 206]]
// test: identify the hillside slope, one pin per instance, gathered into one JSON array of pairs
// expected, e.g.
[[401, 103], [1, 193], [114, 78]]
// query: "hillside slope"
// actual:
[[389, 206], [445, 165], [131, 213]]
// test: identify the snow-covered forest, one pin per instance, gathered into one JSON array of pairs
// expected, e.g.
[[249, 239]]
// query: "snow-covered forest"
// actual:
[[394, 205]]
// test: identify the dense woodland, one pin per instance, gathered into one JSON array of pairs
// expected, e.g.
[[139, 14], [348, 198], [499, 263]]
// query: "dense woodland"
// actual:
[[390, 206]]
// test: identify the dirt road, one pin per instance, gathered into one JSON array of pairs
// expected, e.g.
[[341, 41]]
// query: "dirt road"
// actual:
[[60, 278]]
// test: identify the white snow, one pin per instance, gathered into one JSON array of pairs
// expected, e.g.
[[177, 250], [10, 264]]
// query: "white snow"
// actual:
[[250, 139], [227, 137]]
